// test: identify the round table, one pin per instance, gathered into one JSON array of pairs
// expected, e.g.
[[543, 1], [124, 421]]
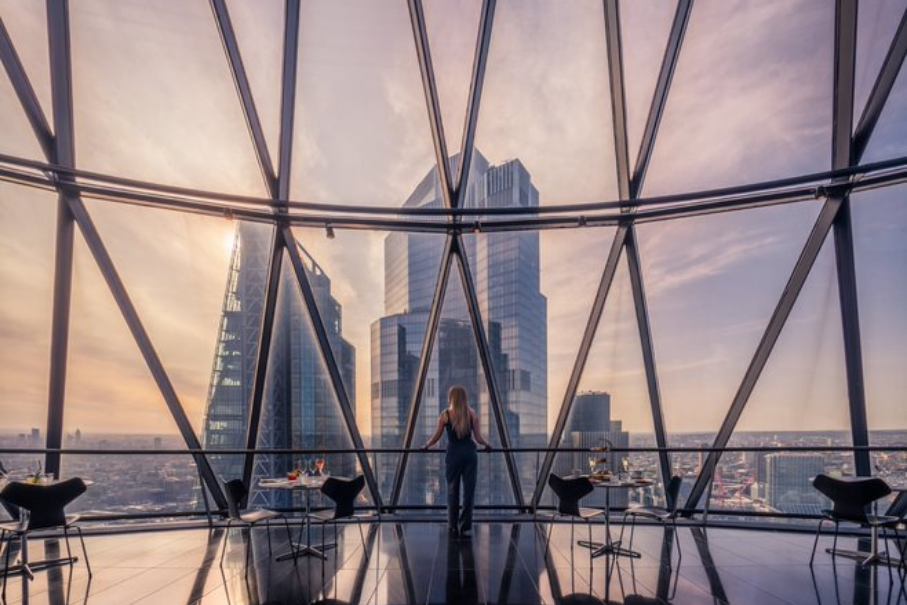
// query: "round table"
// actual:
[[308, 485], [612, 547]]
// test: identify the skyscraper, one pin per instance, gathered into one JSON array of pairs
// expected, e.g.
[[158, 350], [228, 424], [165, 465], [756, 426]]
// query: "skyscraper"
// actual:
[[505, 269], [299, 409], [788, 482], [590, 426]]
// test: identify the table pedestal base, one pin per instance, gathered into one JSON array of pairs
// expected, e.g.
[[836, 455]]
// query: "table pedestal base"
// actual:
[[304, 550], [865, 557], [613, 548]]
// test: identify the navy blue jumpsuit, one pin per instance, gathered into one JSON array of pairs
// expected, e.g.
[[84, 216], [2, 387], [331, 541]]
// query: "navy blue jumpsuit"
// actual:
[[461, 461]]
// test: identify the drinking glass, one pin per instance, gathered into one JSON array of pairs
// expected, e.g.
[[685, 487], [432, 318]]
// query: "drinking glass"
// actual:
[[319, 465]]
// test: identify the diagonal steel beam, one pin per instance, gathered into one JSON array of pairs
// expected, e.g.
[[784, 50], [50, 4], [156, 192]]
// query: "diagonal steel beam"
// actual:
[[244, 90], [330, 362], [595, 315], [769, 338], [130, 314], [288, 97], [843, 157], [428, 343], [881, 90], [26, 94], [63, 153], [420, 36], [660, 97], [621, 143], [494, 393], [483, 42]]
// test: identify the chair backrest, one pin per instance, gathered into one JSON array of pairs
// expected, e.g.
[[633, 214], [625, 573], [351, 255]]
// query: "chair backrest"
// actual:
[[672, 493], [235, 491], [343, 492], [898, 508], [851, 497], [569, 492], [45, 503]]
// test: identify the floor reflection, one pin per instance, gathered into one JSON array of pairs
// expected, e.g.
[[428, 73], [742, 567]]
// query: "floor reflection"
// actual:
[[416, 563]]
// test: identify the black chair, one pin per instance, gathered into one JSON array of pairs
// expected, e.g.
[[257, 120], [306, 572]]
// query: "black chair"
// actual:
[[896, 514], [236, 491], [850, 499], [46, 506], [569, 492], [343, 493], [662, 514]]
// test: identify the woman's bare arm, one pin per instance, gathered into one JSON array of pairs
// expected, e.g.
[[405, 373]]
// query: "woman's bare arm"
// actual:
[[438, 432], [477, 431]]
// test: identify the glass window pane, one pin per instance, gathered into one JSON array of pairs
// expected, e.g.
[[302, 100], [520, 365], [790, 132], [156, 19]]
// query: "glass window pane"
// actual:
[[546, 99], [645, 27], [26, 23], [880, 233], [751, 99], [362, 134], [178, 119], [712, 284], [18, 137], [27, 227], [877, 23], [452, 29], [800, 400], [889, 139]]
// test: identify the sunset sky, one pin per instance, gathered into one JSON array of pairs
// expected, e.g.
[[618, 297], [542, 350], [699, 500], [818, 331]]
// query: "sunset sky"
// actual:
[[751, 101]]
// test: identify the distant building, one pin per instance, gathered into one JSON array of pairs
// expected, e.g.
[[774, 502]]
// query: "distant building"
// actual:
[[788, 484], [505, 270], [299, 409], [590, 426]]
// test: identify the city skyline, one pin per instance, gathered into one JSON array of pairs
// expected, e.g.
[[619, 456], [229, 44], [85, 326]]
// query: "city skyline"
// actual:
[[711, 282]]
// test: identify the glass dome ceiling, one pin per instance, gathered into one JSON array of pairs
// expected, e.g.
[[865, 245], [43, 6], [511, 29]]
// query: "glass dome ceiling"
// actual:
[[705, 199]]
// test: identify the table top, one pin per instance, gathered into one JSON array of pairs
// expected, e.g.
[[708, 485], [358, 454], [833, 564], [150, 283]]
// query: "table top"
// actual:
[[614, 483], [301, 483]]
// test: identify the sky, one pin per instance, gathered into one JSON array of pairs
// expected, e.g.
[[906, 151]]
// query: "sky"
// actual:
[[751, 100]]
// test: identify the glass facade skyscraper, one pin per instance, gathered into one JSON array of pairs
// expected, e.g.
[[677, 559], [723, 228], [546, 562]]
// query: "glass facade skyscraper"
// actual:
[[506, 273], [299, 409]]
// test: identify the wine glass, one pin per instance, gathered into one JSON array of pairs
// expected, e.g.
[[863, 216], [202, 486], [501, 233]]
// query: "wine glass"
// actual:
[[319, 465], [310, 466], [592, 461]]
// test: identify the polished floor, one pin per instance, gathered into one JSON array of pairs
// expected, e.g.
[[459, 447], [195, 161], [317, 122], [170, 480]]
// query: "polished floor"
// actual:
[[417, 563]]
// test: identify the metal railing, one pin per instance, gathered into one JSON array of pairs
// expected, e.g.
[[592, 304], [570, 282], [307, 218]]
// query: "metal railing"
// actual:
[[199, 507]]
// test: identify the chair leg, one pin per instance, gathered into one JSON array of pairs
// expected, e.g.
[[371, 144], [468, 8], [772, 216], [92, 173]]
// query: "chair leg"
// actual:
[[9, 547], [248, 541], [84, 551], [677, 540], [286, 522], [550, 531], [361, 536], [834, 544], [223, 551], [268, 529], [816, 541], [66, 540]]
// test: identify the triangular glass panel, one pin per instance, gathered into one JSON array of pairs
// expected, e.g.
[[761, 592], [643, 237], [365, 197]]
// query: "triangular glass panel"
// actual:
[[360, 106], [382, 286], [877, 22], [259, 32], [26, 23], [880, 249], [27, 221], [535, 291], [800, 400], [889, 138], [18, 137], [645, 27], [300, 407], [452, 29], [750, 100], [176, 267], [546, 102], [456, 361], [178, 119], [712, 283], [113, 402], [611, 408]]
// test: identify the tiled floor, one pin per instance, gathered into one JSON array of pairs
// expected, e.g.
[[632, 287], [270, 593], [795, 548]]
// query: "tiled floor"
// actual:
[[417, 563]]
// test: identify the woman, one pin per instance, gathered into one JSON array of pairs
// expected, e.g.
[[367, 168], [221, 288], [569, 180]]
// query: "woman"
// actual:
[[462, 425]]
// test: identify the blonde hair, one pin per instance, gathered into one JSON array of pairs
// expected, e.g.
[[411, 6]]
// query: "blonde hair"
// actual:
[[458, 411]]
